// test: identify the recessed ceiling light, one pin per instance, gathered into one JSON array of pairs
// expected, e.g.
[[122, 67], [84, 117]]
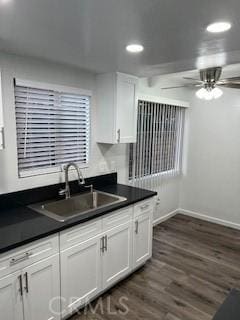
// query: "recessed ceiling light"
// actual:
[[219, 27], [134, 48]]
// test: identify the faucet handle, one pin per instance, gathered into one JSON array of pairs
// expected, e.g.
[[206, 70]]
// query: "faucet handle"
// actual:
[[62, 192]]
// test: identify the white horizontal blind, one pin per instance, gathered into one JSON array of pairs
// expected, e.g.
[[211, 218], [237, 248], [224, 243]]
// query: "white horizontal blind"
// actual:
[[52, 129], [157, 151]]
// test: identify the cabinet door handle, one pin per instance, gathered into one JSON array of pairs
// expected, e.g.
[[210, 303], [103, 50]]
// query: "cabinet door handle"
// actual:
[[20, 285], [2, 138], [102, 244], [136, 227], [26, 281], [105, 243], [118, 135]]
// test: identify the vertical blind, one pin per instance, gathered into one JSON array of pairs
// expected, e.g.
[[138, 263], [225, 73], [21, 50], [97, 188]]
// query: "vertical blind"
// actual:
[[52, 129], [159, 142]]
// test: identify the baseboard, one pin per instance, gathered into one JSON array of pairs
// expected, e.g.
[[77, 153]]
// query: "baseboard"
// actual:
[[205, 217], [165, 217]]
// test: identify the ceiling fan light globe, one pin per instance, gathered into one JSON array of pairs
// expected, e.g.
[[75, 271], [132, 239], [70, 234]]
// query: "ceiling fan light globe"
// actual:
[[201, 93], [208, 95], [217, 93]]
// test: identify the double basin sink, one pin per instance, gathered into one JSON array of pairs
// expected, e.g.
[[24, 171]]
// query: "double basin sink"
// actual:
[[63, 210]]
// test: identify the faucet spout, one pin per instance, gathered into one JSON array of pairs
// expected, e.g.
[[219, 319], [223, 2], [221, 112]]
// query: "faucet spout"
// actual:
[[81, 179]]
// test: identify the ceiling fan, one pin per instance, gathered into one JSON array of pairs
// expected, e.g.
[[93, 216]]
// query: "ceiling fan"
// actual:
[[210, 82]]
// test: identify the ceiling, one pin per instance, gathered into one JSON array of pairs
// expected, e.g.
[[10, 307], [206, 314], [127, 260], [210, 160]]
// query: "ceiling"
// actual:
[[92, 34]]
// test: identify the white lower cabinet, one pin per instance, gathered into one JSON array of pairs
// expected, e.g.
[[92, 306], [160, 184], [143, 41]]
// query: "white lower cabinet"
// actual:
[[29, 283], [11, 306], [80, 274], [96, 262], [42, 281], [117, 256], [142, 239], [41, 290]]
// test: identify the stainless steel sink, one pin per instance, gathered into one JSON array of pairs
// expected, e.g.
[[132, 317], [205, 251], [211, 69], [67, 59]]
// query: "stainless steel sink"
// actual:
[[63, 210]]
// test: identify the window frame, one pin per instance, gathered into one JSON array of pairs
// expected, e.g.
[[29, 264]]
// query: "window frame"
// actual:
[[178, 162], [62, 89]]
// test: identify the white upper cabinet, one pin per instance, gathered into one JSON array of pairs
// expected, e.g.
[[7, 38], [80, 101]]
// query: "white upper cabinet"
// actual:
[[116, 108]]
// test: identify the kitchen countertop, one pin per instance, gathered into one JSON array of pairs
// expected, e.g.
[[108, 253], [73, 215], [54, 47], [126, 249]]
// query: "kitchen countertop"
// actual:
[[21, 225]]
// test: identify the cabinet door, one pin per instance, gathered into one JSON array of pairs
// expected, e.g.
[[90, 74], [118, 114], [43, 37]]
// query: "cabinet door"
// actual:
[[80, 274], [11, 307], [142, 239], [126, 109], [117, 257], [42, 290]]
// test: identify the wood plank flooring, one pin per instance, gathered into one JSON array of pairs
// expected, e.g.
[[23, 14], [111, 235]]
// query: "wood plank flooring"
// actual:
[[194, 266]]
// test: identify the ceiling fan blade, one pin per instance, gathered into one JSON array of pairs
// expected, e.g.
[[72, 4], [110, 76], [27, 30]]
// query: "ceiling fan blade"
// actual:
[[230, 85], [233, 79], [192, 79], [183, 86]]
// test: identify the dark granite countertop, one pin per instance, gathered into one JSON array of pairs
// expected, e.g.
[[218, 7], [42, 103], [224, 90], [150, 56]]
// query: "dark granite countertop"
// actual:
[[21, 225]]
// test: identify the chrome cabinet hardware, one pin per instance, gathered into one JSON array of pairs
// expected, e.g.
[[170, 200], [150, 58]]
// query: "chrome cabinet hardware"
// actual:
[[26, 256], [20, 285], [26, 281], [136, 227], [102, 245], [105, 243], [118, 135], [2, 138], [145, 206]]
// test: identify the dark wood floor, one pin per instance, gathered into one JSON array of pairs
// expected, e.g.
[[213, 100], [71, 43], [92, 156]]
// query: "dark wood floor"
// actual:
[[194, 266]]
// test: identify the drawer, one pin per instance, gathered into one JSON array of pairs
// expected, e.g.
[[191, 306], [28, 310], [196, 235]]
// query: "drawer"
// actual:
[[26, 255], [143, 207], [80, 233], [117, 218]]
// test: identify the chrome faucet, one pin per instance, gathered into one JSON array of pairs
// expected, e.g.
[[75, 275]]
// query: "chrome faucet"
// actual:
[[81, 180]]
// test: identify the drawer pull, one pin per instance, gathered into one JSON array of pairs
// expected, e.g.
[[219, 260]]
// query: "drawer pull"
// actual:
[[144, 207], [26, 256]]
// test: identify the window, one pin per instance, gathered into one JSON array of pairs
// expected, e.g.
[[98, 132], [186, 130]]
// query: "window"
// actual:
[[52, 127], [159, 140]]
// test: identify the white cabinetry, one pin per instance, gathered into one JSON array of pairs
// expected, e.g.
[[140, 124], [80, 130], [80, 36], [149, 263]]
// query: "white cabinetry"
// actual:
[[29, 282], [11, 307], [93, 256], [142, 235], [116, 108], [99, 253], [41, 290], [117, 256], [80, 274]]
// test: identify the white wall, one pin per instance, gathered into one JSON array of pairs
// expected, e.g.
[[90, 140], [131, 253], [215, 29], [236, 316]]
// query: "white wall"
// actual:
[[103, 158], [211, 181]]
